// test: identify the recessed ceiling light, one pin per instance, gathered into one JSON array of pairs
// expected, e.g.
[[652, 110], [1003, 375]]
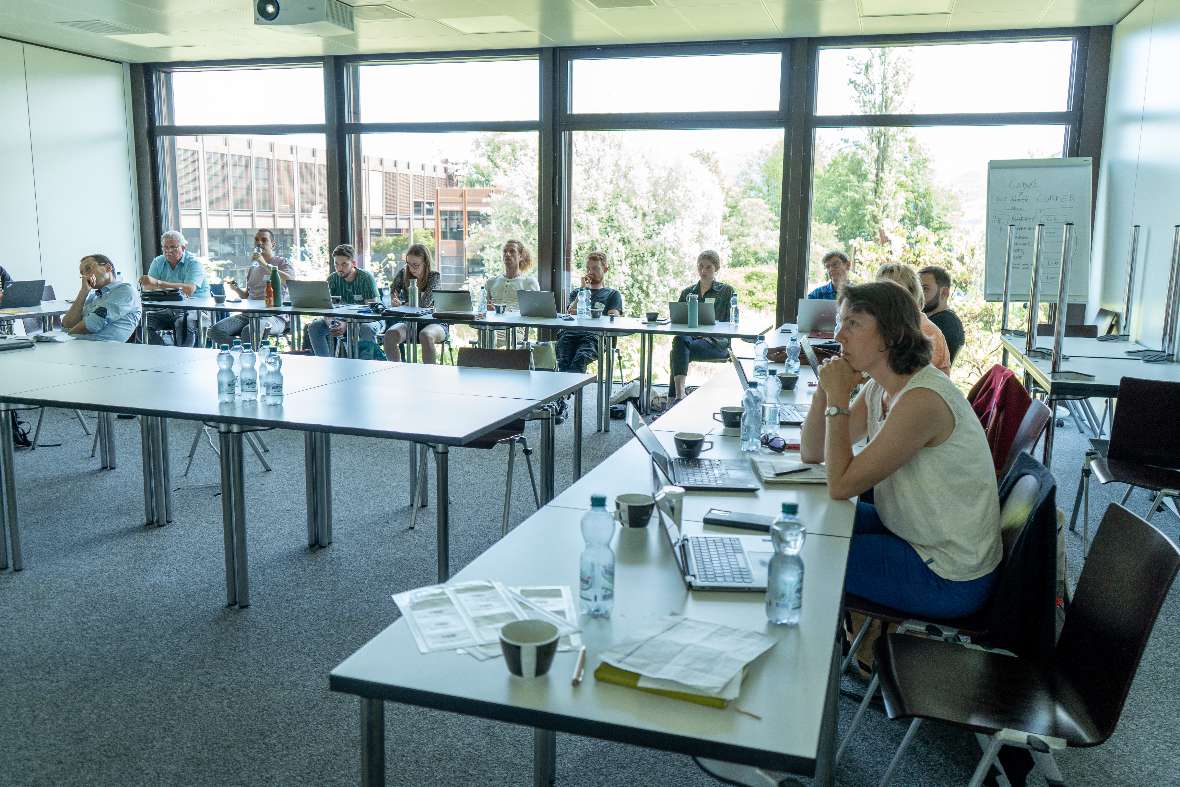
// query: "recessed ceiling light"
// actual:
[[487, 24], [904, 7]]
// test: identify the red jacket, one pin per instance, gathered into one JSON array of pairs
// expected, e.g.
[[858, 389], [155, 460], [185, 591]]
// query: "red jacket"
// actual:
[[1000, 402]]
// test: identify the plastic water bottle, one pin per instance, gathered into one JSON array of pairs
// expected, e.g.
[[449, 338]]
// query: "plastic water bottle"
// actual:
[[694, 310], [236, 351], [793, 354], [273, 379], [733, 309], [597, 572], [770, 388], [248, 377], [784, 583], [583, 304], [760, 363], [227, 381], [752, 419], [481, 308], [264, 351]]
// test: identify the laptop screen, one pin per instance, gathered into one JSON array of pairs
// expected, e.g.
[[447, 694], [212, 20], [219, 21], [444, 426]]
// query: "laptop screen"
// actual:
[[452, 301], [741, 371], [649, 442]]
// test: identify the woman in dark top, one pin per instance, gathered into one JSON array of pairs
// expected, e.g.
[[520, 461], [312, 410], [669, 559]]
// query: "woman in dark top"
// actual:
[[701, 348], [418, 268]]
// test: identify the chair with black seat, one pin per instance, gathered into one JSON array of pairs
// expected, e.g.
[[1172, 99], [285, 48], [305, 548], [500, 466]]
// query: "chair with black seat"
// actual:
[[1143, 450], [1020, 615], [1074, 696], [510, 434], [1032, 426]]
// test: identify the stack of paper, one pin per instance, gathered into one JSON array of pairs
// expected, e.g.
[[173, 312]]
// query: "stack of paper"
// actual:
[[685, 659], [467, 616]]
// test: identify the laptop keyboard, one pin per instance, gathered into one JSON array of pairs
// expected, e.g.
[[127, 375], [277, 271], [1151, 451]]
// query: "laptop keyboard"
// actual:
[[700, 472], [720, 559]]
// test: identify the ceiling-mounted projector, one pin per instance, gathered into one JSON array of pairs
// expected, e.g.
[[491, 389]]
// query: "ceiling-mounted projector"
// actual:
[[314, 17]]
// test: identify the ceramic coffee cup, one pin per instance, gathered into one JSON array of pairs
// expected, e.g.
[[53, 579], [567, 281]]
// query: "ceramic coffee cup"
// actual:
[[500, 307], [652, 316], [787, 380], [729, 417], [690, 444], [634, 510], [219, 298], [596, 310], [528, 647]]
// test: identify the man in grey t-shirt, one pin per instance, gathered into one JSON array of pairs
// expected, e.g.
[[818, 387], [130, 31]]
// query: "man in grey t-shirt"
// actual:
[[264, 259]]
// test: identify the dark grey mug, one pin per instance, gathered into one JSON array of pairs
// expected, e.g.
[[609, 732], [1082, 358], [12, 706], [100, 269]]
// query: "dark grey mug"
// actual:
[[528, 647], [730, 417], [634, 509], [690, 444]]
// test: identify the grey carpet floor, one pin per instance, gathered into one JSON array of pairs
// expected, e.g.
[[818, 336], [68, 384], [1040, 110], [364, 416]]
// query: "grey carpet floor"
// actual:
[[119, 665]]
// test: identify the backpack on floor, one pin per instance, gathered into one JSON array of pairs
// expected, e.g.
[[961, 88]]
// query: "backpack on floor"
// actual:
[[20, 432]]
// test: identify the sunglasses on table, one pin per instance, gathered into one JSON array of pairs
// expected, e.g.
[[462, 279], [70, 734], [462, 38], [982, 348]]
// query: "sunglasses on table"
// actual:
[[774, 443]]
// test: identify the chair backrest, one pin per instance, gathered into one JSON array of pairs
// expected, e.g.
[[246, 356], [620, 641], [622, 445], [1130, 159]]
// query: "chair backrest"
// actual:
[[1021, 613], [1145, 429], [34, 324], [1036, 418], [1126, 577], [493, 359]]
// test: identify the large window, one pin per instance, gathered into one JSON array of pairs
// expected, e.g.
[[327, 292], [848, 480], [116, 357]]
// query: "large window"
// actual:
[[460, 192], [685, 83], [219, 188], [917, 193]]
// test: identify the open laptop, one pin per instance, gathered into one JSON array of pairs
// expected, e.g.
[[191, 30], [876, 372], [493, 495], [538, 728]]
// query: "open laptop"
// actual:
[[713, 475], [453, 302], [678, 313], [788, 414], [817, 317], [309, 294], [715, 562], [23, 294], [536, 303]]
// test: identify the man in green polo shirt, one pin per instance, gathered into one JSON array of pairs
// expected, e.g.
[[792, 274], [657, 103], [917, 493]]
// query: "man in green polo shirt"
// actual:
[[353, 286]]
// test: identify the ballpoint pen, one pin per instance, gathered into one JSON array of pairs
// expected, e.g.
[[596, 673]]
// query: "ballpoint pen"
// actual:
[[579, 668]]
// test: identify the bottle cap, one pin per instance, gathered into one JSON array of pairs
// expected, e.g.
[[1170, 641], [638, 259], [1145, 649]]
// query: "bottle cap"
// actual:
[[598, 501], [225, 348], [791, 508]]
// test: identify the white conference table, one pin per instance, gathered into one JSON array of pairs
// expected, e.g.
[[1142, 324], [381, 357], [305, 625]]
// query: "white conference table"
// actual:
[[323, 396], [793, 688], [46, 311]]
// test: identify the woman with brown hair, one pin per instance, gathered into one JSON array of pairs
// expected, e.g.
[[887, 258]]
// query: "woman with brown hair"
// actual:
[[418, 269], [929, 544]]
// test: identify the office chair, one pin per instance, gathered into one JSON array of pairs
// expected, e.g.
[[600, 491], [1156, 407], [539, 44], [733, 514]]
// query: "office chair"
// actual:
[[1071, 697]]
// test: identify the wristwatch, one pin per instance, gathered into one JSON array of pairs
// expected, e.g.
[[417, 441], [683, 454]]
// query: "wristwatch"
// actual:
[[834, 411]]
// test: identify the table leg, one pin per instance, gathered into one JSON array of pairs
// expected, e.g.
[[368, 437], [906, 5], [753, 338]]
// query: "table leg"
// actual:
[[825, 760], [149, 466], [297, 332], [165, 470], [598, 381], [309, 487], [8, 519], [643, 381], [547, 451], [233, 486], [544, 758], [352, 337], [444, 524], [1050, 431], [108, 441], [159, 478], [647, 373], [372, 742], [610, 383], [228, 512], [578, 433], [324, 488], [255, 330]]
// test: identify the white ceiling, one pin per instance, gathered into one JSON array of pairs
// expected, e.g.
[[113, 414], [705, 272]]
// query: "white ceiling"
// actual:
[[169, 30]]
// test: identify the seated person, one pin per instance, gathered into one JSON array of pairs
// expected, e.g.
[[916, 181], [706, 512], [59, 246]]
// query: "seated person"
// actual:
[[104, 310], [351, 285], [264, 259], [936, 287], [174, 269], [701, 348], [837, 266], [929, 544], [576, 349], [904, 275], [418, 268], [503, 288]]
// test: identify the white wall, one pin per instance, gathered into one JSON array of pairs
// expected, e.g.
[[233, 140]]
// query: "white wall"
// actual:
[[1139, 180], [68, 189]]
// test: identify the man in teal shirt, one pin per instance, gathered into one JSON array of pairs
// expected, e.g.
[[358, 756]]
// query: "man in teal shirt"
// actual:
[[175, 269], [352, 286], [105, 309]]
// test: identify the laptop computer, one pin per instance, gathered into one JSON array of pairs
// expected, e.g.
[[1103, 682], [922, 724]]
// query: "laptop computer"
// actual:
[[788, 414], [309, 294], [536, 303], [23, 294], [714, 475], [817, 317], [715, 562], [678, 313], [456, 302]]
